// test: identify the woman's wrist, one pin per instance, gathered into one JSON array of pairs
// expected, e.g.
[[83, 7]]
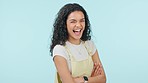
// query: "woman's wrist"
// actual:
[[79, 79], [85, 78]]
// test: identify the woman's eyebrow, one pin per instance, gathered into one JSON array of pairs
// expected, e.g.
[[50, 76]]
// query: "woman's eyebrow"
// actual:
[[83, 19]]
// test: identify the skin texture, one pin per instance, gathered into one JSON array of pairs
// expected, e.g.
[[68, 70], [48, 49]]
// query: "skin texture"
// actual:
[[75, 26]]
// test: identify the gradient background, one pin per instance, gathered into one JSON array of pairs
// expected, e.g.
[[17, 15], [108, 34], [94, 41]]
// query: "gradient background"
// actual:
[[120, 32]]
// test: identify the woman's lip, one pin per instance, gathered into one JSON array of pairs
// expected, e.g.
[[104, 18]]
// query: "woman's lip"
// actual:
[[78, 30], [77, 33]]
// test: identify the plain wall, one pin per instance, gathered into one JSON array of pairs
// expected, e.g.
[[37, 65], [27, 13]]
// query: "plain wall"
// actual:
[[120, 30]]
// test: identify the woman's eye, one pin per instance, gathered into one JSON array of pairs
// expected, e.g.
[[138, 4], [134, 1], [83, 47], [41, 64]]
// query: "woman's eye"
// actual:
[[72, 22], [82, 21]]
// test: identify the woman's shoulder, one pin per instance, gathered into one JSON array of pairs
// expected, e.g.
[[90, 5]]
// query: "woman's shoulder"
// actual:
[[91, 46], [89, 42], [60, 51], [59, 47]]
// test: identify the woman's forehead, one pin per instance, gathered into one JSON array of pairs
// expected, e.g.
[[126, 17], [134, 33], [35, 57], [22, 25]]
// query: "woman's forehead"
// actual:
[[76, 15]]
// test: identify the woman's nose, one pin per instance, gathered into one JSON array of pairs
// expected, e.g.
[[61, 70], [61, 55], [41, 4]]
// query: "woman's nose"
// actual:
[[78, 24]]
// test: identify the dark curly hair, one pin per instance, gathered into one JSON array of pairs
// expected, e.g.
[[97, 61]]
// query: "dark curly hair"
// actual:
[[60, 34]]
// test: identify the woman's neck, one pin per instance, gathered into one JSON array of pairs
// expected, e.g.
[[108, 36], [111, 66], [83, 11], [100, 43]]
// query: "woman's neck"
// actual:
[[76, 42]]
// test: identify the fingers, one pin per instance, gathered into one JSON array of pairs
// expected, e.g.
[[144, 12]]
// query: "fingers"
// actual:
[[94, 69], [100, 69], [97, 70]]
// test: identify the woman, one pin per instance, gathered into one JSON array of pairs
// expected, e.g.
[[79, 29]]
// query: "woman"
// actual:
[[74, 53]]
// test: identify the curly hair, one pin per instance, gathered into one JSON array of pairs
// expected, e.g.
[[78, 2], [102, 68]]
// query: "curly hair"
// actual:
[[60, 33]]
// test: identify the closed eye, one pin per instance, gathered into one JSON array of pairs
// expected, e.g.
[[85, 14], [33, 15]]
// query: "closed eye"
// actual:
[[82, 20], [73, 21]]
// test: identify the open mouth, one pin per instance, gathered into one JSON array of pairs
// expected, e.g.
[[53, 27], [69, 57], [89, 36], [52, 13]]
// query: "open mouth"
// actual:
[[77, 32]]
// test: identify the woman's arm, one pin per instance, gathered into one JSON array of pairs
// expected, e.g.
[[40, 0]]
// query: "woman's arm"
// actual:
[[62, 68], [98, 74]]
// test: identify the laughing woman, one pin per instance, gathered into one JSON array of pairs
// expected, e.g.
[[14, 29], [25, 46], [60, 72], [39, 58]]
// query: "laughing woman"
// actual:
[[74, 53]]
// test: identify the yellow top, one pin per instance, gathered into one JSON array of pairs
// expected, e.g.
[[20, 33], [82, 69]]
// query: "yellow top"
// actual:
[[79, 68]]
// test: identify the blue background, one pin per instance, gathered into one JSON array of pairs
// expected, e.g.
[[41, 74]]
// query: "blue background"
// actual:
[[120, 30]]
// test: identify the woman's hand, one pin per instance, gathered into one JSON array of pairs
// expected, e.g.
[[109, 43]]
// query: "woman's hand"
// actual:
[[97, 69]]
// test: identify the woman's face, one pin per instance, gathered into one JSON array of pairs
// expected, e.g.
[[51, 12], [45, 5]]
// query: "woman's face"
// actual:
[[75, 25]]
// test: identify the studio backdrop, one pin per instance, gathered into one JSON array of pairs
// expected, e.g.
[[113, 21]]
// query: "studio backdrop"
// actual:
[[119, 30]]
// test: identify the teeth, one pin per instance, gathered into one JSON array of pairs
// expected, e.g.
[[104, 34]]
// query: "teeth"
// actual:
[[77, 30]]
